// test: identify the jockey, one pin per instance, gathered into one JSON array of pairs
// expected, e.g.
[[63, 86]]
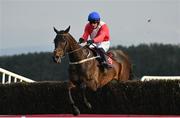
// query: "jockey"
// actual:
[[99, 36]]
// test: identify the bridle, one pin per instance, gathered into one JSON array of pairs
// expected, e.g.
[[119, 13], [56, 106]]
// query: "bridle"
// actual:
[[70, 52], [64, 48]]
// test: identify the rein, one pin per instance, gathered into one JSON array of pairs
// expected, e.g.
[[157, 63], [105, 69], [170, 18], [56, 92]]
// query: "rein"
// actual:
[[75, 50], [84, 60]]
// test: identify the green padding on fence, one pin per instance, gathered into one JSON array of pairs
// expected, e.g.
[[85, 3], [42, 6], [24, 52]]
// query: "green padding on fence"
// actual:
[[154, 97]]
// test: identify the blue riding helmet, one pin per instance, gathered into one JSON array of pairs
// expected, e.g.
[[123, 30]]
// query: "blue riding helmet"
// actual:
[[94, 16]]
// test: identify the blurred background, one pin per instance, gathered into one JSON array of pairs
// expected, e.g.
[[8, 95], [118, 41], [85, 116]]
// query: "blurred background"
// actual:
[[27, 25]]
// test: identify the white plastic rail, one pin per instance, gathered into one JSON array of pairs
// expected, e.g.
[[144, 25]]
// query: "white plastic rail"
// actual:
[[9, 77], [147, 78]]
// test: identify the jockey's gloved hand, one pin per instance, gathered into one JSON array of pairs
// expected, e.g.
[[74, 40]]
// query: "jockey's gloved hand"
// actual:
[[81, 40], [89, 42]]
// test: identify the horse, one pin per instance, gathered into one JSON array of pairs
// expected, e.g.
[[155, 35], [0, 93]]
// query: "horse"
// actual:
[[84, 70]]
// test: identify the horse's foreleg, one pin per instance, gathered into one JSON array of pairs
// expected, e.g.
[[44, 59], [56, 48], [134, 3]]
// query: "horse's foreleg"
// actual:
[[83, 90], [75, 108]]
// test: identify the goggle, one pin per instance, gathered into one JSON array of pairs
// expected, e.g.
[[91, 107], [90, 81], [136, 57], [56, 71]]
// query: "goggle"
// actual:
[[93, 22]]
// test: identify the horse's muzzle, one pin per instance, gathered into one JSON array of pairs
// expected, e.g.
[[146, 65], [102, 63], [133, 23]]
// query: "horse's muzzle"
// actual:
[[56, 59]]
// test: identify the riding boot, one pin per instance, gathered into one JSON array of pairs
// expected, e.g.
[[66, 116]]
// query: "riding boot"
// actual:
[[104, 61]]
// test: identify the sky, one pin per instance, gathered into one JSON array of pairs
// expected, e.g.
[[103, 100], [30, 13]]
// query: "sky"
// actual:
[[27, 25]]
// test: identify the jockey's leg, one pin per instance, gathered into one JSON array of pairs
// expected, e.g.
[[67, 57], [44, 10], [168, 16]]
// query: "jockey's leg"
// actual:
[[104, 60]]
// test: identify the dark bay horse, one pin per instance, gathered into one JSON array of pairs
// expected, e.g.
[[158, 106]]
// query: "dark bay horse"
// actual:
[[84, 70]]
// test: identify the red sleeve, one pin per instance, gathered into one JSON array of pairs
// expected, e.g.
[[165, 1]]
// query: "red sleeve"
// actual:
[[86, 32], [104, 32]]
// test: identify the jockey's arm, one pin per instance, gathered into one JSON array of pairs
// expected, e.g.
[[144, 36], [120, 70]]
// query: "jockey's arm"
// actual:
[[86, 33]]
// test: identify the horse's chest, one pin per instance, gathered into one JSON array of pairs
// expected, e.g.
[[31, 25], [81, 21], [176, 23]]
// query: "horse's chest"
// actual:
[[76, 72]]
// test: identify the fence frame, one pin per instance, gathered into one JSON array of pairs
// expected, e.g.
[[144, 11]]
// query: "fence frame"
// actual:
[[10, 75], [148, 78]]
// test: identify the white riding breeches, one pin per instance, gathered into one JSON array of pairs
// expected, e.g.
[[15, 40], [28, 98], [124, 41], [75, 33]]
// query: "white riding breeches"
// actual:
[[105, 45]]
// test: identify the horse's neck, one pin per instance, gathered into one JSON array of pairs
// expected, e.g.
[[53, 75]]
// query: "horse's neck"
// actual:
[[78, 53]]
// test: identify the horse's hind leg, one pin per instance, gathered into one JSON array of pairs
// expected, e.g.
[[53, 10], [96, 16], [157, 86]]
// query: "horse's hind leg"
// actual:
[[75, 108], [83, 89]]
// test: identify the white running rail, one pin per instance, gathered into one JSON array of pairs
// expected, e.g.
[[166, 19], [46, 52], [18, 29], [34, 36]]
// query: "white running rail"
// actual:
[[148, 78], [10, 77]]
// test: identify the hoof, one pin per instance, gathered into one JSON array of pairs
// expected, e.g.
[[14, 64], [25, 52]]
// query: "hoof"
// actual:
[[75, 111], [88, 105]]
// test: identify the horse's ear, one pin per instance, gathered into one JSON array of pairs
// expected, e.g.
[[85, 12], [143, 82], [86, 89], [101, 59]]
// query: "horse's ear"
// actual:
[[67, 30], [56, 30]]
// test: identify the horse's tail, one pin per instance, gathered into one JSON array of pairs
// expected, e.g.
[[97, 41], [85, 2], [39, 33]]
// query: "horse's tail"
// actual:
[[126, 70]]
